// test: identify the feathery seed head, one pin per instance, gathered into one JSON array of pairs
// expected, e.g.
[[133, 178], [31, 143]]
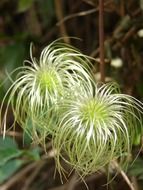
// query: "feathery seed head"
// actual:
[[91, 125], [43, 85], [97, 129]]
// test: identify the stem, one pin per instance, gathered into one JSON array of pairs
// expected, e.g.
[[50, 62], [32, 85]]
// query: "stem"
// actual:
[[59, 13], [18, 176], [125, 177], [101, 39]]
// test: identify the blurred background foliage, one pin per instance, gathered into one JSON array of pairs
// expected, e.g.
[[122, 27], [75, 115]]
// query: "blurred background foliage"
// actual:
[[41, 22]]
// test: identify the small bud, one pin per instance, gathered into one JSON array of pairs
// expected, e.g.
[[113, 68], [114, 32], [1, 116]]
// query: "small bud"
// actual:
[[140, 33], [117, 63]]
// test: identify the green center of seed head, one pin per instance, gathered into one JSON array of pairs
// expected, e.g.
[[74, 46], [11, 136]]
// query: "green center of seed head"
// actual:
[[94, 110], [48, 80]]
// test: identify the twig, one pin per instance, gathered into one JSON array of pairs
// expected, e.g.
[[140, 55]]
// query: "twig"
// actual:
[[82, 13], [13, 134], [101, 39], [90, 2], [33, 23], [72, 183], [62, 187], [59, 13], [79, 14], [134, 180], [124, 176], [17, 176], [116, 44], [33, 175], [122, 8], [24, 171], [129, 34]]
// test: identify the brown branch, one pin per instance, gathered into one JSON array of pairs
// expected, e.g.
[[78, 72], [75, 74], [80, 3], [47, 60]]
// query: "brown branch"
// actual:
[[125, 177], [31, 178], [81, 13], [101, 39], [18, 176], [122, 41], [25, 170], [73, 184], [122, 8], [59, 13]]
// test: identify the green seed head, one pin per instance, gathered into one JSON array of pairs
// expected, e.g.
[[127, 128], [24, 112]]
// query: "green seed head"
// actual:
[[91, 125], [93, 110], [96, 129], [42, 86], [48, 80]]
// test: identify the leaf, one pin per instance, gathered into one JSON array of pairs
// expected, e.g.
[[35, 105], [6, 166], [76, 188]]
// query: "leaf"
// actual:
[[7, 154], [8, 150], [24, 5], [33, 154], [8, 142], [11, 56], [9, 168], [136, 170]]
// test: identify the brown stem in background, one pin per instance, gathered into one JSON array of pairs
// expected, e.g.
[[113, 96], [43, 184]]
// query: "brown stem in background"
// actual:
[[101, 39], [82, 13], [18, 176], [122, 8], [125, 177], [59, 13]]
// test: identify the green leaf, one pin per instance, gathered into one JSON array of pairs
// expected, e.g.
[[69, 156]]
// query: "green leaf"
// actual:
[[33, 154], [135, 169], [7, 142], [27, 133], [9, 168], [7, 154], [8, 150], [24, 5], [12, 56]]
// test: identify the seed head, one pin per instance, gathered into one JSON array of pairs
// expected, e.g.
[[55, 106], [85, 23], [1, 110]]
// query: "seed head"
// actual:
[[97, 128], [42, 86]]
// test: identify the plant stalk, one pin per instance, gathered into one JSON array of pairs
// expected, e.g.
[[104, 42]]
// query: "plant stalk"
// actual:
[[101, 39]]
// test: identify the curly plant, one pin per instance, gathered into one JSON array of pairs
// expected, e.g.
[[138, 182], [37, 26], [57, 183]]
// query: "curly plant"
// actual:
[[91, 125], [40, 88], [97, 128]]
